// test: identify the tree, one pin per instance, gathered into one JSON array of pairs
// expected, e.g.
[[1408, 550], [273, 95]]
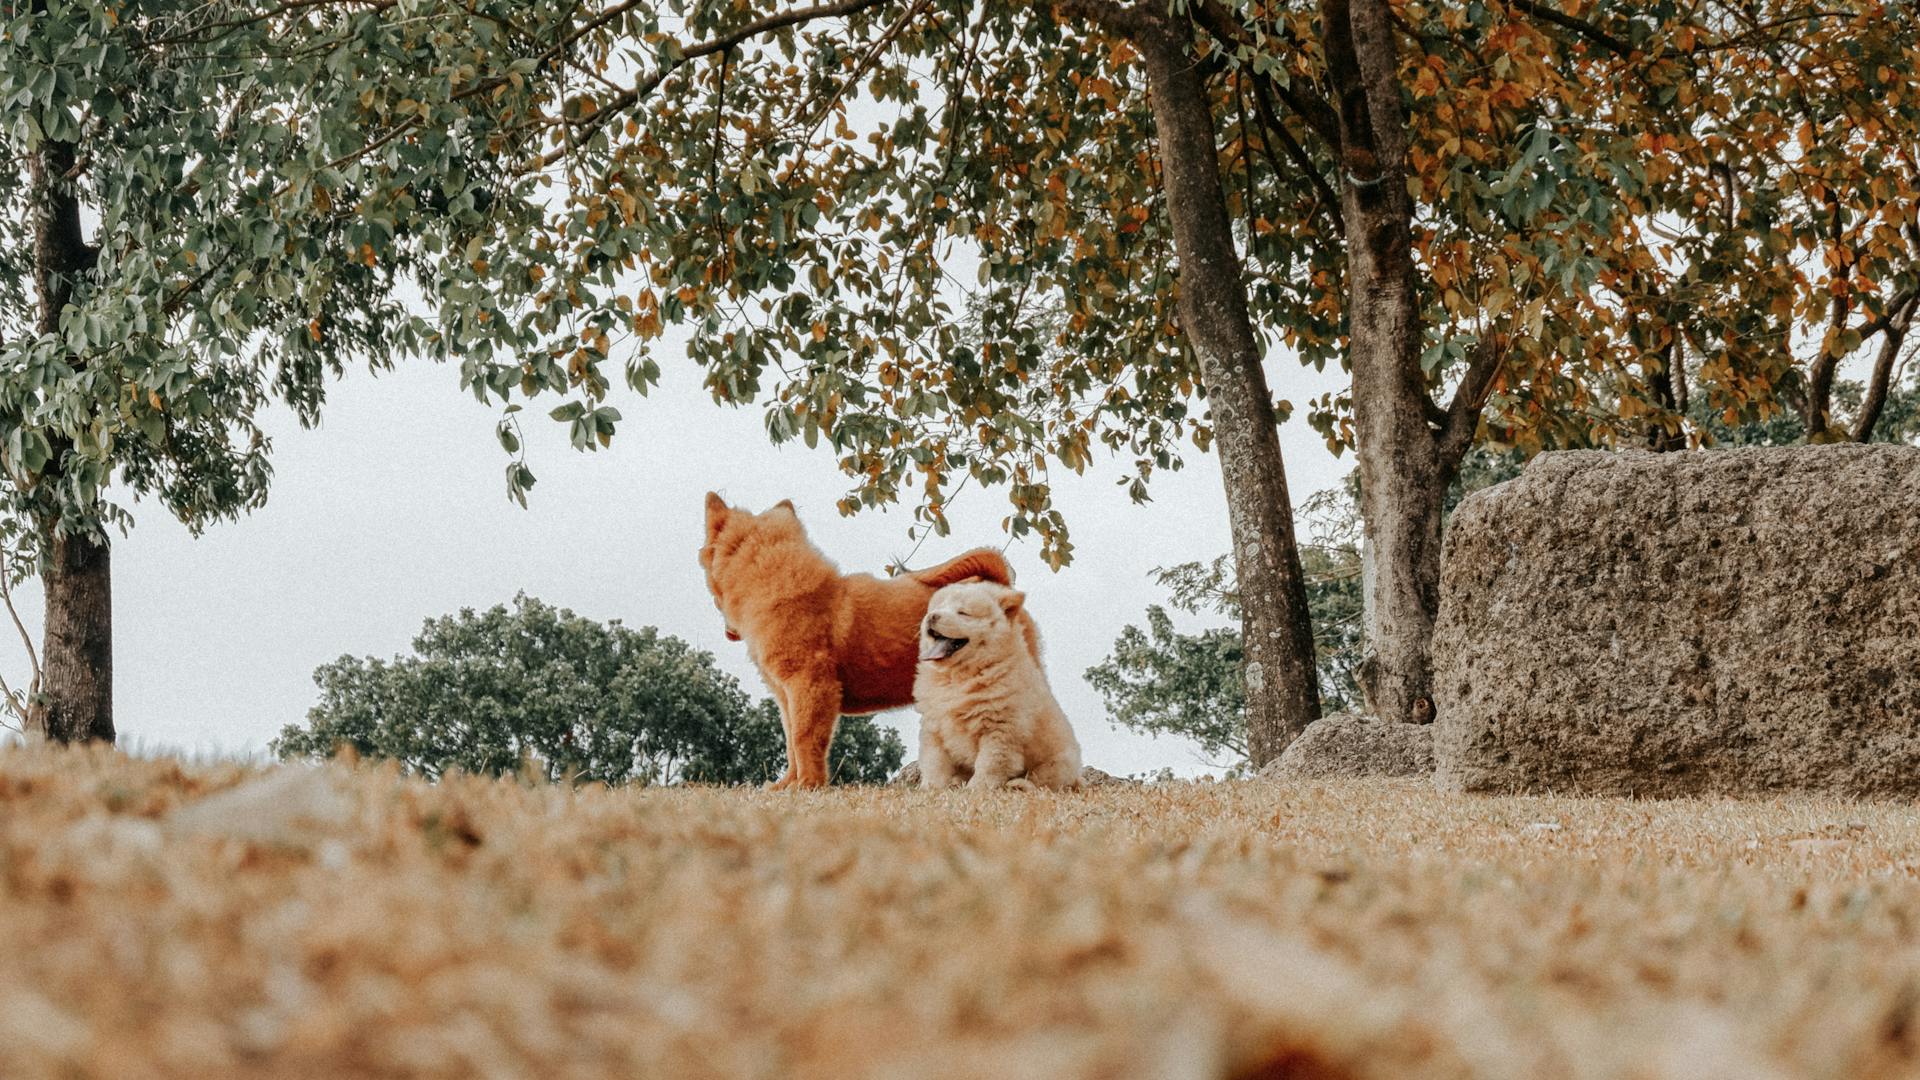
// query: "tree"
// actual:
[[1159, 681], [1162, 681], [205, 207], [489, 692], [727, 170], [1471, 206], [1896, 418], [265, 180], [1543, 209], [1467, 205]]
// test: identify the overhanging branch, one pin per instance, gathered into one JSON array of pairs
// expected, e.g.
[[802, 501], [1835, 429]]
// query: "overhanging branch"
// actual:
[[766, 24], [1579, 27], [1463, 412], [1297, 153], [1317, 113]]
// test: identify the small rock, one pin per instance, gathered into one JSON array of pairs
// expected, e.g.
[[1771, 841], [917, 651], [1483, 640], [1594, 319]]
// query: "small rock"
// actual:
[[1348, 745]]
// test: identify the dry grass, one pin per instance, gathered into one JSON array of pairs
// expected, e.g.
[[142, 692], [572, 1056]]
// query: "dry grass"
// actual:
[[1335, 930]]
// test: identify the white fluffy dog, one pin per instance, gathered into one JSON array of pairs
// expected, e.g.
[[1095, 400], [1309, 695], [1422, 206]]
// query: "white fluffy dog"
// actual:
[[987, 715]]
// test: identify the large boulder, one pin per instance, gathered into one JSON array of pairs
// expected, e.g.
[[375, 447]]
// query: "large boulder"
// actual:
[[1347, 745], [1668, 624]]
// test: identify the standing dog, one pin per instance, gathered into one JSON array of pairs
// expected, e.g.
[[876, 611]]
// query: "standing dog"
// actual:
[[987, 715], [828, 644]]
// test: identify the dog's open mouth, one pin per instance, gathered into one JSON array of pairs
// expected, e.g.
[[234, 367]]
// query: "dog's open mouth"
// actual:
[[938, 646]]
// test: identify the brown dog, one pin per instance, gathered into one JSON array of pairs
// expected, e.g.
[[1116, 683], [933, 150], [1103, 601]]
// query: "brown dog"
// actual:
[[828, 644]]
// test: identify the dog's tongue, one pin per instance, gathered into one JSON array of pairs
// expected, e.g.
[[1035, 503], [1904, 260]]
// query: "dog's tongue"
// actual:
[[939, 648]]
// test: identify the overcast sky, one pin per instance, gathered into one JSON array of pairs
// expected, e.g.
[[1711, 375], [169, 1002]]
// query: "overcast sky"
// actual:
[[394, 510]]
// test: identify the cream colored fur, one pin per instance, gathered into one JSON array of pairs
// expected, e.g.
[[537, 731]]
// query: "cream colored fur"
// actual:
[[987, 715]]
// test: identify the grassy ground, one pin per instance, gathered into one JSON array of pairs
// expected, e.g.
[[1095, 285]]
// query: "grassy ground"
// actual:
[[351, 924]]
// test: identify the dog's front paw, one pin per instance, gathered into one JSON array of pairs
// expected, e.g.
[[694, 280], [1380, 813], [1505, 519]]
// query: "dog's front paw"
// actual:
[[1021, 783]]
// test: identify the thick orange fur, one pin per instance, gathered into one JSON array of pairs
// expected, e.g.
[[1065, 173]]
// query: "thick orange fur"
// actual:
[[828, 644]]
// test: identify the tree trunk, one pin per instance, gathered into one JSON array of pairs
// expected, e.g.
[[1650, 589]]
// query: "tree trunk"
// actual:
[[1403, 471], [1283, 695], [76, 701], [1400, 582]]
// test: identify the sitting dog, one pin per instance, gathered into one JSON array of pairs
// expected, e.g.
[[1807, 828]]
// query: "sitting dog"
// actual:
[[828, 644], [987, 715]]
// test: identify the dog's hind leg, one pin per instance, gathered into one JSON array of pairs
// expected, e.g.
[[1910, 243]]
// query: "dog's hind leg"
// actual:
[[786, 729], [814, 707]]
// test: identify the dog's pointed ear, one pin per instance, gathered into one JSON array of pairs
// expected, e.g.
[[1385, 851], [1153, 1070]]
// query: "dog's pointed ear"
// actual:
[[787, 505], [1010, 602], [716, 514]]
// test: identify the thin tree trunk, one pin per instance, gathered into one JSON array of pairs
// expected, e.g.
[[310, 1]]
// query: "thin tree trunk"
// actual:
[[1282, 693], [1403, 470], [1818, 411], [1899, 321], [76, 701], [1667, 383]]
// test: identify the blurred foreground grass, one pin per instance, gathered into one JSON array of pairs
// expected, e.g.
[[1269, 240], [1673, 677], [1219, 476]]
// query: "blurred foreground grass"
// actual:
[[166, 919]]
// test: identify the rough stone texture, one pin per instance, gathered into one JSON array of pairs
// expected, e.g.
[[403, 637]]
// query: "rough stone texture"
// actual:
[[1666, 624], [1348, 745], [909, 776]]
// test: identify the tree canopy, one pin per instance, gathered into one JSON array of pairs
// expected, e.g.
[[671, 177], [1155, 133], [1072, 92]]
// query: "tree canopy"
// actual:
[[496, 691], [937, 236]]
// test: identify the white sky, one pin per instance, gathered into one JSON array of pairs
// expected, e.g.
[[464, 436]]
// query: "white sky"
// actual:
[[394, 510]]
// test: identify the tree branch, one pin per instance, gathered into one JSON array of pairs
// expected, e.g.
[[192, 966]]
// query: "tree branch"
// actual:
[[200, 34], [1123, 19], [1886, 321], [1463, 412], [638, 91], [1579, 27], [21, 706], [1316, 112], [1327, 197]]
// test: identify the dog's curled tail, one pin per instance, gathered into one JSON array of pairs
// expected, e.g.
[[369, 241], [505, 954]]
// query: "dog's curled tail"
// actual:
[[983, 563]]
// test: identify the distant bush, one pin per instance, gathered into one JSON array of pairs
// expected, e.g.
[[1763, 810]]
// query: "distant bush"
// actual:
[[489, 692]]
